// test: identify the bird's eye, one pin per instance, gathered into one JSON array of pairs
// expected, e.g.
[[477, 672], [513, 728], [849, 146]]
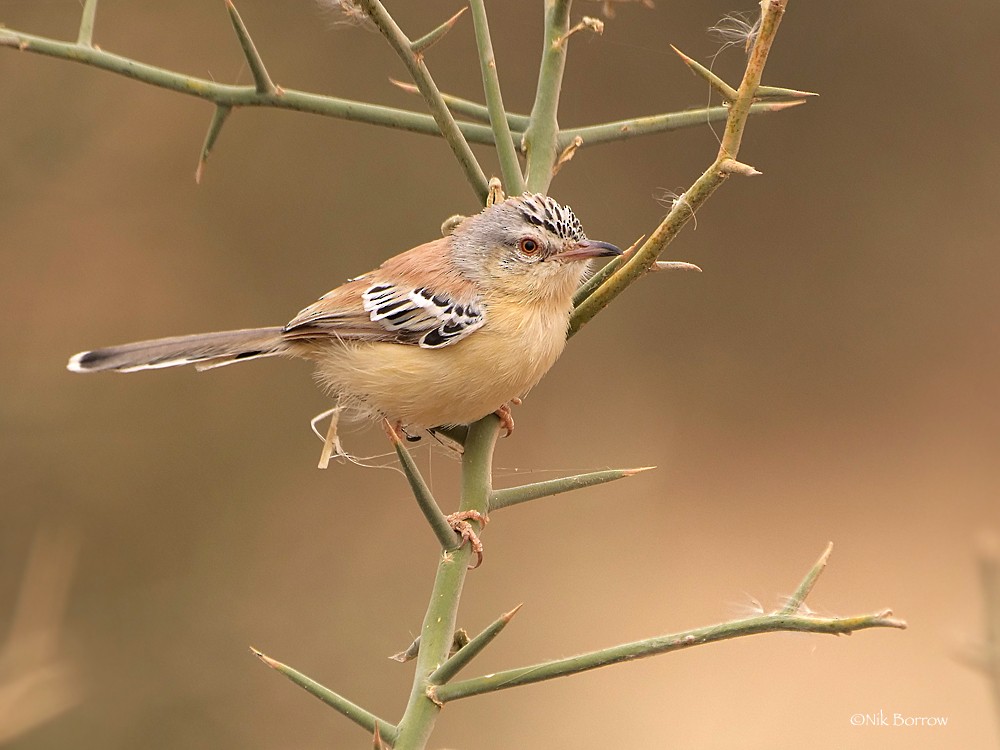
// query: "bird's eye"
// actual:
[[528, 246]]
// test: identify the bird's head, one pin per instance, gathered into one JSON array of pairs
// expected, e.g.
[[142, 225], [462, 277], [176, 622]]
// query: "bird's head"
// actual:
[[527, 245]]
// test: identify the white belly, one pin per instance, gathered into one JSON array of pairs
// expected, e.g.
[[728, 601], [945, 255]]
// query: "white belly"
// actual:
[[457, 384]]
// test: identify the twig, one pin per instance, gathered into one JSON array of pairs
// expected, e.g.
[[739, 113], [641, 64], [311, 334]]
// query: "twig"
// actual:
[[796, 600], [239, 96], [704, 186], [729, 93], [782, 620], [726, 91], [421, 76], [473, 110], [219, 117], [662, 645], [510, 168], [621, 130], [337, 702], [428, 505], [472, 649], [228, 95], [85, 38], [428, 40], [771, 14], [590, 285], [439, 622], [540, 139]]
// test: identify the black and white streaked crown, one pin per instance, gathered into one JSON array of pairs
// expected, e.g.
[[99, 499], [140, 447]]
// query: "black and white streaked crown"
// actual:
[[542, 211]]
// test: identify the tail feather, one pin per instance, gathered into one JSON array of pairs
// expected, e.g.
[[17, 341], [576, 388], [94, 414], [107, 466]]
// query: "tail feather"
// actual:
[[205, 350]]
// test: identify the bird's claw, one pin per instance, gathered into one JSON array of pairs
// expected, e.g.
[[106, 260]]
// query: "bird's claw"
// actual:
[[460, 523], [506, 417]]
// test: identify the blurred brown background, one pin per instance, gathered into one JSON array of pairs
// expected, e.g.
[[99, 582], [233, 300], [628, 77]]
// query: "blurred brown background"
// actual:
[[832, 375]]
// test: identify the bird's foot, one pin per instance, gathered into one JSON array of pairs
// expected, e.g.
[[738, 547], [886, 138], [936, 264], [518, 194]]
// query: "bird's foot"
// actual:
[[506, 417], [460, 523], [395, 430]]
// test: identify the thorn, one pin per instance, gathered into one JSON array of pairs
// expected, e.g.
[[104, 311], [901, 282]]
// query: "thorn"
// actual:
[[508, 616], [409, 88], [214, 128], [633, 247], [377, 739], [781, 91], [273, 664], [567, 155], [639, 470], [495, 192], [687, 60], [261, 78], [459, 641], [674, 265], [409, 653], [731, 166], [778, 106], [431, 693], [725, 90], [825, 558], [427, 41], [587, 23]]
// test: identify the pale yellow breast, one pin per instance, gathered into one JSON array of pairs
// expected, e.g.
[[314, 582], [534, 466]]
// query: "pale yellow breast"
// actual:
[[453, 385]]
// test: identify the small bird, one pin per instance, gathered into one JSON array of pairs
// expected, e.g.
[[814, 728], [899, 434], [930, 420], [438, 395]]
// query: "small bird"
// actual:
[[442, 334]]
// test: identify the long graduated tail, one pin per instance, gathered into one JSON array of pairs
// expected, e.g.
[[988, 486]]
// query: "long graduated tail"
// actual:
[[204, 350]]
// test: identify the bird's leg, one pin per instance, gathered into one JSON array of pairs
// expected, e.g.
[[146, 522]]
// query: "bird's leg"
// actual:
[[506, 418], [460, 523], [394, 430]]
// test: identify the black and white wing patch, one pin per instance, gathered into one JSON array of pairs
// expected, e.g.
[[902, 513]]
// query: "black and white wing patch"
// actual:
[[420, 316]]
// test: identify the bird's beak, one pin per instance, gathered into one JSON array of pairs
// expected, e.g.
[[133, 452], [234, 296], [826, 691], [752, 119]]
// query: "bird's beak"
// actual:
[[588, 249]]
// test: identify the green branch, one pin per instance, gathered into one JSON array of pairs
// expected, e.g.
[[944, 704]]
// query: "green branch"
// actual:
[[662, 645], [230, 96], [622, 130], [437, 632], [428, 505], [238, 96], [472, 110], [439, 110], [724, 165], [510, 167], [782, 620], [540, 139]]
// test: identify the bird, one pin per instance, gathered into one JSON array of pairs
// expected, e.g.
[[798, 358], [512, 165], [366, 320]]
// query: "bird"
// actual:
[[439, 335]]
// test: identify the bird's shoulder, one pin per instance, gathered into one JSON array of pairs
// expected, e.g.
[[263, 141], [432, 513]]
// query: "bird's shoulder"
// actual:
[[417, 297]]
